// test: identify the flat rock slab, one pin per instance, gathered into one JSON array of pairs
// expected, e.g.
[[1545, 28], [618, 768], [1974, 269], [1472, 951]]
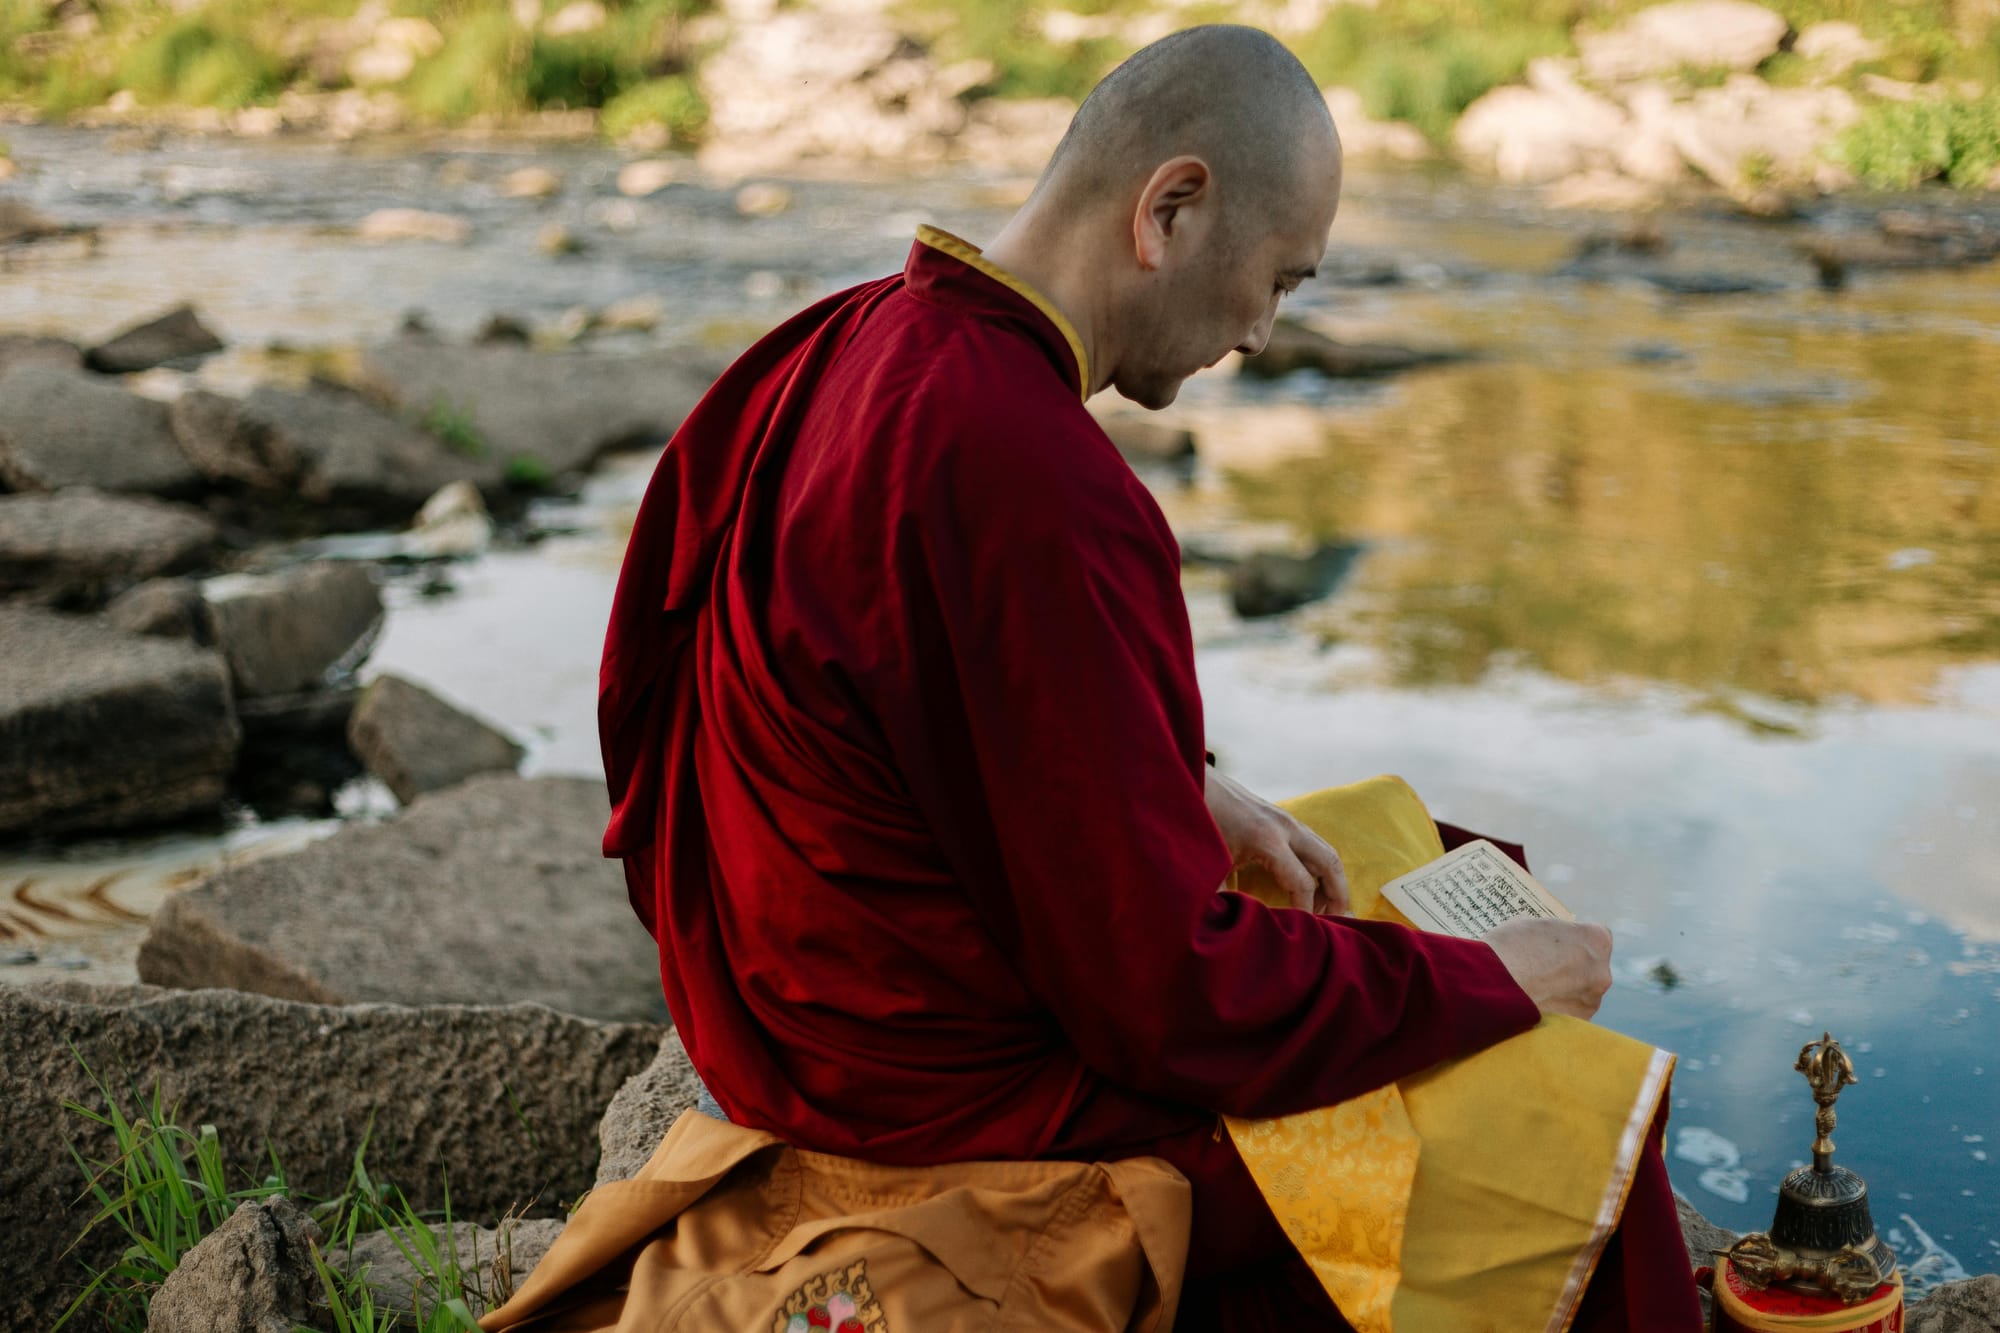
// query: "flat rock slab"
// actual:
[[63, 427], [178, 335], [491, 892], [1296, 347], [77, 548], [102, 729], [503, 1101], [557, 410], [18, 349], [285, 632], [415, 742]]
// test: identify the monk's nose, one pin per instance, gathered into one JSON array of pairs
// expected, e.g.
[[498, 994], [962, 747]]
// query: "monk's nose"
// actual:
[[1260, 335]]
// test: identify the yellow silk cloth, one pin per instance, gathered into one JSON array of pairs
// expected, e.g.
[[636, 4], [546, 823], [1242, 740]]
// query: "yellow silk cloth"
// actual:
[[1479, 1194]]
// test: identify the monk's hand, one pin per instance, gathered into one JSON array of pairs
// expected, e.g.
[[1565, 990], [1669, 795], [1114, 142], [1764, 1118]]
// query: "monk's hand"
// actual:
[[1258, 833], [1564, 966]]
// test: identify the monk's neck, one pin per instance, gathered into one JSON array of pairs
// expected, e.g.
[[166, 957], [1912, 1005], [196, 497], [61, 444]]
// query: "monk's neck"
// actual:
[[1063, 277]]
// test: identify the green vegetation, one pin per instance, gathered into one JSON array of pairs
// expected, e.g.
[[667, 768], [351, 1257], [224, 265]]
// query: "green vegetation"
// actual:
[[455, 429], [167, 1187], [1897, 145], [524, 472], [673, 103]]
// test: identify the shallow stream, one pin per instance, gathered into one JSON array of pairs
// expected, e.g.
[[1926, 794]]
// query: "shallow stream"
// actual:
[[1698, 597]]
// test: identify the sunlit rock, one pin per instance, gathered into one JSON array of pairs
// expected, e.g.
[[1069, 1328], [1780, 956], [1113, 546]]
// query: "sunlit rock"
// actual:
[[1684, 34], [413, 224], [530, 183]]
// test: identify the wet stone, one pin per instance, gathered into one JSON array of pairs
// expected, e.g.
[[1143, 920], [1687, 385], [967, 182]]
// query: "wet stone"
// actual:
[[177, 336], [75, 548], [415, 742], [1296, 347], [289, 631], [61, 428]]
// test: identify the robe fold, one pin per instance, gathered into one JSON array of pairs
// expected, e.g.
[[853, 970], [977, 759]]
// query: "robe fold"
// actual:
[[904, 745]]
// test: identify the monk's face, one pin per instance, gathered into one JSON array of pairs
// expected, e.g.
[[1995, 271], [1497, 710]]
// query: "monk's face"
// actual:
[[1222, 275]]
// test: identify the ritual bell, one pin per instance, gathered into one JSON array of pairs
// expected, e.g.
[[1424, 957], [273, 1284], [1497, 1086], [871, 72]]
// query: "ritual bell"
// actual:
[[1821, 1252]]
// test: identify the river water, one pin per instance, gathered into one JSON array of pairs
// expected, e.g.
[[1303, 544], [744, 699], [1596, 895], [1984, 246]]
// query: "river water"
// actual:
[[1697, 596]]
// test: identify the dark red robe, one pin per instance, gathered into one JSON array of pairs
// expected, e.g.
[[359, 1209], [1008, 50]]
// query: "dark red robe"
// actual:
[[904, 745]]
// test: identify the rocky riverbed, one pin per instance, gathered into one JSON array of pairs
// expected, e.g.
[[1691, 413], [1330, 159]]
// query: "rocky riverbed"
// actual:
[[1666, 546]]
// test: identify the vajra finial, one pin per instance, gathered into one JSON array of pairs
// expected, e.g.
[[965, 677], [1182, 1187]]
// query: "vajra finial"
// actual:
[[1827, 1070]]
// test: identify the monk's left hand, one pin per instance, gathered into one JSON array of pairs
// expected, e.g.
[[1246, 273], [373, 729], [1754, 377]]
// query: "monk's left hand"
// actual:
[[1258, 833]]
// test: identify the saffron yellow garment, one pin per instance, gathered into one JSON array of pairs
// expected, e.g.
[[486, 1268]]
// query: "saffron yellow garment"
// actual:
[[1479, 1194]]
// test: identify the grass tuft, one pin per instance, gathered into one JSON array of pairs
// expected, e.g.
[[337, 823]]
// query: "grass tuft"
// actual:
[[1898, 145]]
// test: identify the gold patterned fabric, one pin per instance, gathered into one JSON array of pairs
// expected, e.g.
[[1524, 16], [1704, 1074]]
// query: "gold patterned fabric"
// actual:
[[1479, 1194]]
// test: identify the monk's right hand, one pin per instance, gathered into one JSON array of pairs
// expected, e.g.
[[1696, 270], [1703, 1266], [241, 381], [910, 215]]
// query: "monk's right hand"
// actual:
[[1564, 966]]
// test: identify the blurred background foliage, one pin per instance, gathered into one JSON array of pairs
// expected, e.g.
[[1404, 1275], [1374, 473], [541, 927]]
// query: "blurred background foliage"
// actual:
[[1417, 61]]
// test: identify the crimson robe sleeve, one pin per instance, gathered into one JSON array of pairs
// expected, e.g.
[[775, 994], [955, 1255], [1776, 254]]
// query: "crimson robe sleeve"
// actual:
[[1079, 825]]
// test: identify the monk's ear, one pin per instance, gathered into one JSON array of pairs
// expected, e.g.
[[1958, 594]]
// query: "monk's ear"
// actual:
[[1175, 186]]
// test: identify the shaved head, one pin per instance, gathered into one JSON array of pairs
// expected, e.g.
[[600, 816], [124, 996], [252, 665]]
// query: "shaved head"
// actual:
[[1232, 96], [1192, 191]]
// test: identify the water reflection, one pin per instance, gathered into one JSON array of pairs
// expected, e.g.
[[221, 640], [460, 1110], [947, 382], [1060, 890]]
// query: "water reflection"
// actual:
[[1607, 522]]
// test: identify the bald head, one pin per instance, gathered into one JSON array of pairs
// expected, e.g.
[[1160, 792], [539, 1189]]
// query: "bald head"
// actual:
[[1193, 191], [1232, 96]]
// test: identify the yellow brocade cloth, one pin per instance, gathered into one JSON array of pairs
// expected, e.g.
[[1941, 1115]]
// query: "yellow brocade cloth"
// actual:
[[1479, 1194]]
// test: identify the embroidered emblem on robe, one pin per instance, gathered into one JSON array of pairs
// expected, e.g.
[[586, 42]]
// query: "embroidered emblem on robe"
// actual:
[[839, 1302]]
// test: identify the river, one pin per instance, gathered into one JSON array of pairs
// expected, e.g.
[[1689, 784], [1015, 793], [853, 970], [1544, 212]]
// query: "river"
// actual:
[[1698, 596]]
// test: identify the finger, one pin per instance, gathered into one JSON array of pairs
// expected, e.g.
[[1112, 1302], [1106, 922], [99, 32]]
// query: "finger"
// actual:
[[1292, 876], [1324, 864]]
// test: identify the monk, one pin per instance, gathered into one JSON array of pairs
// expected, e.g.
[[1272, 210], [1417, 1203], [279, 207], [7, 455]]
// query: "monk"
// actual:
[[905, 746]]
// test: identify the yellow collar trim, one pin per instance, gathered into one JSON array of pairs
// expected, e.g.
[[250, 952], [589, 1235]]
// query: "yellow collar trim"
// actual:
[[968, 253]]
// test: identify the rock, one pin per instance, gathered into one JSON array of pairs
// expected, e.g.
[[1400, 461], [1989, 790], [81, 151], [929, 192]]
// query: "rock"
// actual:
[[18, 349], [763, 199], [288, 631], [578, 16], [413, 224], [1684, 34], [503, 329], [1540, 133], [1605, 191], [178, 335], [644, 1110], [1835, 258], [20, 224], [647, 176], [1703, 1237], [76, 548], [252, 1274], [562, 410], [530, 183], [1971, 1306], [295, 758], [494, 1261], [1293, 346], [1270, 583], [634, 314], [415, 742], [356, 464], [228, 449], [1016, 133], [1836, 47], [67, 428], [101, 729], [803, 83], [166, 608], [452, 524], [556, 239], [495, 890], [1365, 139], [1142, 440], [393, 50], [1752, 139], [505, 1102]]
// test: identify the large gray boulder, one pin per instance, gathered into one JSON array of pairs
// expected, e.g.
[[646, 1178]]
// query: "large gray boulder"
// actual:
[[178, 335], [556, 410], [328, 457], [76, 548], [501, 1102], [252, 1274], [415, 742], [1972, 1306], [493, 891], [644, 1110], [103, 729], [61, 427], [286, 631], [18, 349]]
